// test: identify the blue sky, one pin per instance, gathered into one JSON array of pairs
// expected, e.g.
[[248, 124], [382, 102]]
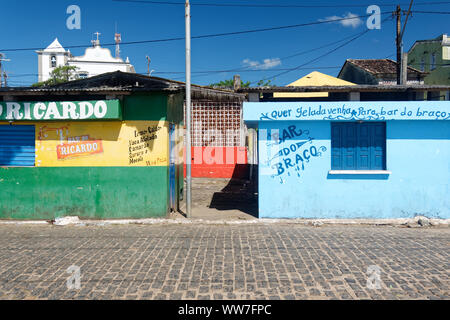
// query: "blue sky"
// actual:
[[30, 24]]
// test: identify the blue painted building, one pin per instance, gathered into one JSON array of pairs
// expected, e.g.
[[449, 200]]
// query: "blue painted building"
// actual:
[[352, 159]]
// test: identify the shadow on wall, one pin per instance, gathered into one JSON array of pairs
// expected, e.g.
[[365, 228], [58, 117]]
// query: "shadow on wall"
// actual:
[[358, 176], [241, 193]]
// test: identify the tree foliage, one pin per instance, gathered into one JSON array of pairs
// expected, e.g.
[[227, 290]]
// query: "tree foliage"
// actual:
[[264, 83], [60, 75], [229, 84]]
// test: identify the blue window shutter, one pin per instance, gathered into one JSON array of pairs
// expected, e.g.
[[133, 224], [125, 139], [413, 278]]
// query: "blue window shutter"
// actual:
[[364, 146], [358, 146], [349, 146], [17, 146], [336, 146], [378, 146]]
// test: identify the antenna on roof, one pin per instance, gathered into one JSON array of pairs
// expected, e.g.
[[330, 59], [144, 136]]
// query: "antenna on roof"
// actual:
[[118, 39]]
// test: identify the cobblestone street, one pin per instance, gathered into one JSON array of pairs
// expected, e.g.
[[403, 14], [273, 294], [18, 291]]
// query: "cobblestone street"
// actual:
[[252, 261]]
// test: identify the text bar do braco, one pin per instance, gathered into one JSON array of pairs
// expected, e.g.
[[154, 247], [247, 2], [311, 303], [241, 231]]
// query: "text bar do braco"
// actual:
[[61, 110]]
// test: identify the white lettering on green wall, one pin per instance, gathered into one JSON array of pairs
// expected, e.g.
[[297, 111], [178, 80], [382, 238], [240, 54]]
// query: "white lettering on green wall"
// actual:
[[66, 110]]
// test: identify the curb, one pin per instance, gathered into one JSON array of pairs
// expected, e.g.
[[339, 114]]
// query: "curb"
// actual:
[[418, 221]]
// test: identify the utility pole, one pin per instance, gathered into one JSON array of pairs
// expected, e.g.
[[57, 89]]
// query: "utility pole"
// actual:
[[5, 78], [2, 73], [148, 65], [398, 13], [399, 41], [188, 112]]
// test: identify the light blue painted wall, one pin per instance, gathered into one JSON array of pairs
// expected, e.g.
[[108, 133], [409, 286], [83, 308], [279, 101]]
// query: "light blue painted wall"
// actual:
[[418, 155], [347, 110]]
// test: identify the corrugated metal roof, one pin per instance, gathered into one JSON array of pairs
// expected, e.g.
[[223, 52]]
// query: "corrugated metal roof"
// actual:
[[125, 83]]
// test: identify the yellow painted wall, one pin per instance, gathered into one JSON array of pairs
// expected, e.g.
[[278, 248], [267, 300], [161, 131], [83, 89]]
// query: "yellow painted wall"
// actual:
[[101, 144]]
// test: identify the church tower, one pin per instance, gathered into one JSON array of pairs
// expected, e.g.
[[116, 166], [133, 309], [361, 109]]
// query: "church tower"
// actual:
[[50, 58]]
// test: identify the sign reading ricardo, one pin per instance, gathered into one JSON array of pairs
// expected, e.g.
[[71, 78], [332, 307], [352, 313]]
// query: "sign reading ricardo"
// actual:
[[60, 110]]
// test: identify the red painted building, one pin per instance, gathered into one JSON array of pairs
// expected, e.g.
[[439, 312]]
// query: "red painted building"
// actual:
[[218, 136]]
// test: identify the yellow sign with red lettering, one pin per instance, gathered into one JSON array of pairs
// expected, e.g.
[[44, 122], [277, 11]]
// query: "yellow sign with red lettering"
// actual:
[[102, 144], [79, 149]]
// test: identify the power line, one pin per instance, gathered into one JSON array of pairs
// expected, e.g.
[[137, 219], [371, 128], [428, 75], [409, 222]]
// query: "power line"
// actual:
[[248, 5], [432, 12], [214, 34], [323, 55], [248, 68], [225, 33], [197, 72], [244, 69]]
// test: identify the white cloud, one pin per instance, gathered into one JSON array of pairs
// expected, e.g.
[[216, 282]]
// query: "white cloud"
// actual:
[[266, 64], [354, 23]]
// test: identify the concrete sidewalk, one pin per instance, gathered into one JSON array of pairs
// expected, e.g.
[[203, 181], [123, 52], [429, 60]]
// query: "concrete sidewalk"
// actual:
[[222, 199]]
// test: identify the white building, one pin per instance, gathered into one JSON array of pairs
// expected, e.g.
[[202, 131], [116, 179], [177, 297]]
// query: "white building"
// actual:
[[96, 60]]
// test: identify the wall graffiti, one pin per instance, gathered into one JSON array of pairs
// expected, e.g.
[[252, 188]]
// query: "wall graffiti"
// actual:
[[78, 148], [367, 111], [141, 143], [294, 149], [105, 144], [69, 147]]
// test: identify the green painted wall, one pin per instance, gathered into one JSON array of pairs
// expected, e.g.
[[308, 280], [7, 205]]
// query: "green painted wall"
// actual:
[[145, 107], [96, 192], [441, 74], [175, 109], [101, 192]]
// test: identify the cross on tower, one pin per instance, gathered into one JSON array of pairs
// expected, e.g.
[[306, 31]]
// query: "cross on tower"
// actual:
[[96, 42]]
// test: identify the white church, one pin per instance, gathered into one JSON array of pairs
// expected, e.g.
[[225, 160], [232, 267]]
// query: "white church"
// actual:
[[96, 60]]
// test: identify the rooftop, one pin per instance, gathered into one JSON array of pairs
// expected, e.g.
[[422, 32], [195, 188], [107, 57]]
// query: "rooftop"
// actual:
[[349, 88], [380, 66], [124, 83]]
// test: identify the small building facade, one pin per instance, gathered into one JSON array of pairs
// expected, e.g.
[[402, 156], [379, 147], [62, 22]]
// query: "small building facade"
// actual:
[[433, 56], [377, 72], [94, 148], [218, 137], [352, 159]]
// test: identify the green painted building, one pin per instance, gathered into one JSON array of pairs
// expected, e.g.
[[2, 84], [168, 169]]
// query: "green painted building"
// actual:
[[432, 56], [110, 146]]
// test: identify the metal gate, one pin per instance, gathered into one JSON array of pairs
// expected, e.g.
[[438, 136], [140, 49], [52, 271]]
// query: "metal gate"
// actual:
[[17, 146]]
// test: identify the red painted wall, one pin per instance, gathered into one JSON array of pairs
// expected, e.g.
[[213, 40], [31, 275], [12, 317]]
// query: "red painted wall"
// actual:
[[218, 162]]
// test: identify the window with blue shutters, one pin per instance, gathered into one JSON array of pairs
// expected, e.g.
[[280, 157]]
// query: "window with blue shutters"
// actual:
[[358, 146], [17, 146]]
